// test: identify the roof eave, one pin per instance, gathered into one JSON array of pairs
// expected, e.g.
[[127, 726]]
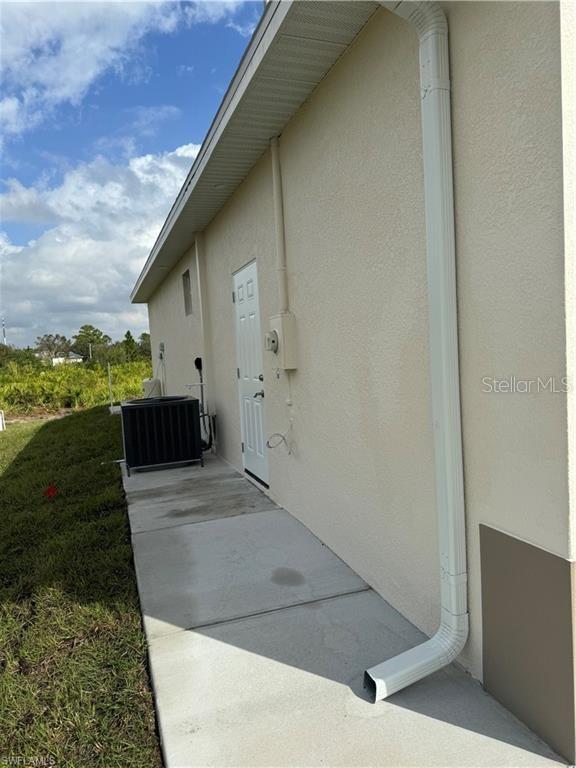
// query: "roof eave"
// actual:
[[221, 118], [292, 49]]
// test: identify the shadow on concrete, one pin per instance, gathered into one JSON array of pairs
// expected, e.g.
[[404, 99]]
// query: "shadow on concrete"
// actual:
[[316, 615], [265, 585]]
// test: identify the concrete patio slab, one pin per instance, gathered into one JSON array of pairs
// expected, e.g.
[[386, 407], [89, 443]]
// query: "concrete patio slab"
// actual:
[[218, 570], [186, 495], [285, 689], [259, 636]]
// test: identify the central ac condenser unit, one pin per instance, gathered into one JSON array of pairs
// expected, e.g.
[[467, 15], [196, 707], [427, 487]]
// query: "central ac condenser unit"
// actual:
[[161, 432]]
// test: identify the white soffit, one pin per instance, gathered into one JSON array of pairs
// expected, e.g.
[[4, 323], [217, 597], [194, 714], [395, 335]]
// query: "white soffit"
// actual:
[[295, 45]]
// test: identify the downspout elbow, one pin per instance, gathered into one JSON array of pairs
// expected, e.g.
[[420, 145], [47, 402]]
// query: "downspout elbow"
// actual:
[[424, 16], [429, 21], [440, 650]]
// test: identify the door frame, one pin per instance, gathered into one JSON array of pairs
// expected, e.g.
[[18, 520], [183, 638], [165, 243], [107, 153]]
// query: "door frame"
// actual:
[[263, 481]]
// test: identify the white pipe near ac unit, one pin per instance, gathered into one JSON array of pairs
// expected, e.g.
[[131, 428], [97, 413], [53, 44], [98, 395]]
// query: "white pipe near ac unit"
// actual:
[[198, 253], [400, 671], [200, 276]]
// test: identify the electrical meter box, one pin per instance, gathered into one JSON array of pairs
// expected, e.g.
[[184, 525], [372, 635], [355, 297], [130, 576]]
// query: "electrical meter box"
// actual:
[[282, 340]]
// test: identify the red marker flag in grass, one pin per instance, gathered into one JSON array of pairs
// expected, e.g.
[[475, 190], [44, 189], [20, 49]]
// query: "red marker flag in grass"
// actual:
[[50, 492]]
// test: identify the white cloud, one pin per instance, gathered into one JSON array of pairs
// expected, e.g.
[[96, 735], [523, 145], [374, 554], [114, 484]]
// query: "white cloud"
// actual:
[[53, 52], [143, 123], [103, 219], [146, 120], [211, 11], [245, 30], [185, 69]]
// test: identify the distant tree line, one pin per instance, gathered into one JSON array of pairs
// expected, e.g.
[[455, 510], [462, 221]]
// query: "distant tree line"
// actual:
[[92, 344]]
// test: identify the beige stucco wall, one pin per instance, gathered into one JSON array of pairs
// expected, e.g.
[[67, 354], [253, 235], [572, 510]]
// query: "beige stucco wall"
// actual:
[[361, 472], [241, 233], [180, 333], [568, 47], [509, 241]]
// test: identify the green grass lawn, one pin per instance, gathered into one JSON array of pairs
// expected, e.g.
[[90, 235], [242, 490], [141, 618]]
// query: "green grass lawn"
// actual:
[[73, 677]]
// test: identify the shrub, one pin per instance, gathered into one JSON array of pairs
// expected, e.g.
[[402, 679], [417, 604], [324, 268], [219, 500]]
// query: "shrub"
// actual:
[[26, 389]]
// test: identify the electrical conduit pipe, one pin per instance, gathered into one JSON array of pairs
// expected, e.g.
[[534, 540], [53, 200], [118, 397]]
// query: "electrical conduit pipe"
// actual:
[[283, 323], [390, 676], [282, 278]]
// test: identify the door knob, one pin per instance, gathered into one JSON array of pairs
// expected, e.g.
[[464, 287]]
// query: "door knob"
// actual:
[[261, 377], [259, 394]]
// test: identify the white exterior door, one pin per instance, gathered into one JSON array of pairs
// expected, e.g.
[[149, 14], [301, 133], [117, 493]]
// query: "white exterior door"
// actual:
[[250, 371]]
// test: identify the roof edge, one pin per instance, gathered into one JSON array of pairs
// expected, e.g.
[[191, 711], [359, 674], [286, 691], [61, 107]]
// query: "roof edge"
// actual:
[[263, 35]]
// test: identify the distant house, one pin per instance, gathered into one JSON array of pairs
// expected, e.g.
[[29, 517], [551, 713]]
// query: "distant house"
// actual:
[[70, 358], [358, 313]]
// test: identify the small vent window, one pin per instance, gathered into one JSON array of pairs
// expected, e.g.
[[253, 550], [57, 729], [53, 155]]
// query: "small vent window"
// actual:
[[187, 289]]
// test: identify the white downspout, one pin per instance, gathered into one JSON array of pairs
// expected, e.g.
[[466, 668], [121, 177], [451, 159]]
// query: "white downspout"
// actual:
[[396, 673]]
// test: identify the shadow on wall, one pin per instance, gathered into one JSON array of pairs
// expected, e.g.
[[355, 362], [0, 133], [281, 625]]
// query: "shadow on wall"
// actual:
[[78, 542], [211, 549]]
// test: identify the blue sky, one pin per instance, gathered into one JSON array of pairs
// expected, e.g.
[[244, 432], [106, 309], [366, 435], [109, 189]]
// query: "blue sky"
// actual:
[[103, 108]]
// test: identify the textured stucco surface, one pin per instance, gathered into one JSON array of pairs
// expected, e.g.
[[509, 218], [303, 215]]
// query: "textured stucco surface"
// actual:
[[180, 333], [509, 233], [271, 674], [244, 231], [361, 472], [568, 48]]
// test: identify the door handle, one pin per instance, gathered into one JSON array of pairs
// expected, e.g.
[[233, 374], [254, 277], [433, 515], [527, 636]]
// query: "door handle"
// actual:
[[261, 377], [259, 394]]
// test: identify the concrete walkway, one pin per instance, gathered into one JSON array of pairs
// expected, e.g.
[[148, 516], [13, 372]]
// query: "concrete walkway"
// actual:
[[259, 636]]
